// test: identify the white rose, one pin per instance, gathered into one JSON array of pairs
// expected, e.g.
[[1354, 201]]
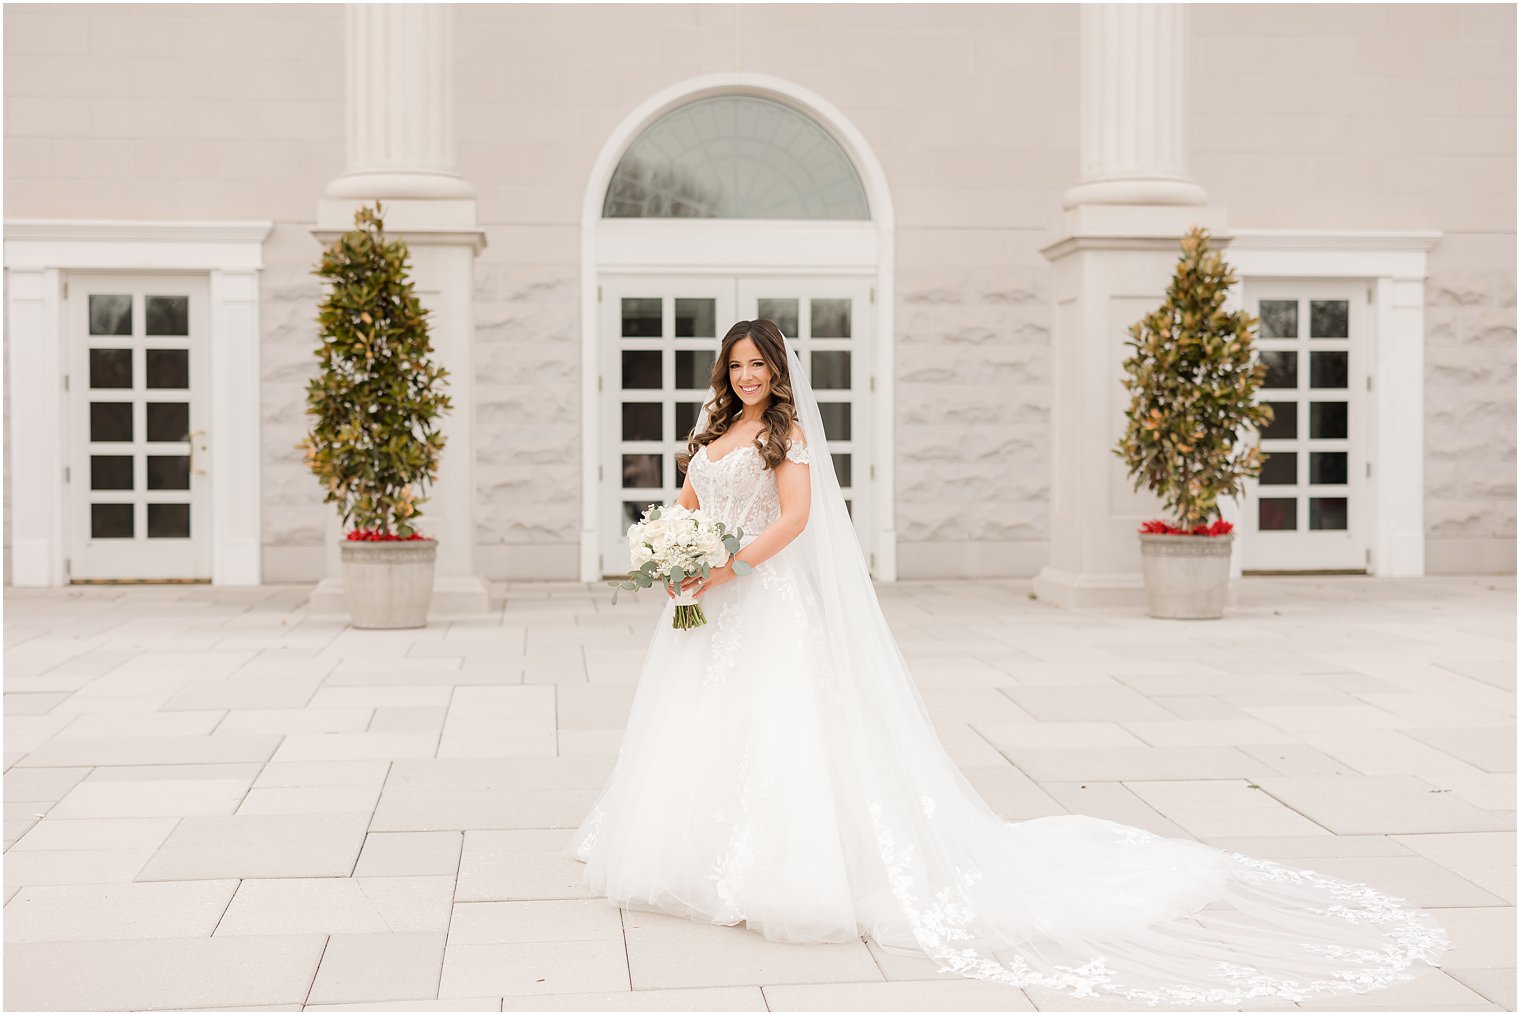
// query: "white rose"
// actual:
[[717, 553]]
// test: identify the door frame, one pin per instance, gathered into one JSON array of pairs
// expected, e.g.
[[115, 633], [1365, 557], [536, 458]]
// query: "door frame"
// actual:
[[1393, 266], [39, 255], [124, 559], [739, 247], [729, 295], [1331, 550]]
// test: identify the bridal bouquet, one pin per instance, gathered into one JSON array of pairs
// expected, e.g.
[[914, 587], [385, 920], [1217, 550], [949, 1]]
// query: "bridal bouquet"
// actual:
[[672, 544]]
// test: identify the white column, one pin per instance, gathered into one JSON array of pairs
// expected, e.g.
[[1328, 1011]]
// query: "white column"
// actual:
[[36, 421], [1112, 253], [400, 115], [236, 544], [1134, 83], [400, 103]]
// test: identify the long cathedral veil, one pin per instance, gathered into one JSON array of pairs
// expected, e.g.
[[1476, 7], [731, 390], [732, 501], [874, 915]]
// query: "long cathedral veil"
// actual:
[[1071, 903]]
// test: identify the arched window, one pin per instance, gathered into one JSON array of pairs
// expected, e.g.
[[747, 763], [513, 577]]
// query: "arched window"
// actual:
[[738, 157]]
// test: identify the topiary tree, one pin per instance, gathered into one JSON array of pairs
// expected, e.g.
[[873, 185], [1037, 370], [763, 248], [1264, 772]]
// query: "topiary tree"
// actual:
[[1193, 382], [375, 444]]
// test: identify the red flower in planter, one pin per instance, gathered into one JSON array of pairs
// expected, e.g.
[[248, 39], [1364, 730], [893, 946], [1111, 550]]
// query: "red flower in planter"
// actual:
[[1156, 527], [374, 536]]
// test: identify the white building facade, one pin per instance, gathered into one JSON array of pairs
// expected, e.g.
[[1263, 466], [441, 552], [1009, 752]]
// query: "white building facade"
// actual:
[[955, 211]]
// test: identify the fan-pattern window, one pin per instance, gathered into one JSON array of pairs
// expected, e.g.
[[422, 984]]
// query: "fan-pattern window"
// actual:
[[738, 157]]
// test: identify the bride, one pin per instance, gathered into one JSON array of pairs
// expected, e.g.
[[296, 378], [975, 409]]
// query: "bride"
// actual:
[[780, 770]]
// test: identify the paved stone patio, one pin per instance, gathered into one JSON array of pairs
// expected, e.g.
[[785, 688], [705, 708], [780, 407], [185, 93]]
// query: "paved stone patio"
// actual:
[[216, 799]]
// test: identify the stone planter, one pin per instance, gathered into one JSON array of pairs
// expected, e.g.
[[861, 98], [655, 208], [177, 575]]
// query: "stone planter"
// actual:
[[388, 584], [1186, 577]]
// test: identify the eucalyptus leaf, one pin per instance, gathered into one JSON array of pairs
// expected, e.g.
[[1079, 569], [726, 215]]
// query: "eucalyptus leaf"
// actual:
[[742, 567]]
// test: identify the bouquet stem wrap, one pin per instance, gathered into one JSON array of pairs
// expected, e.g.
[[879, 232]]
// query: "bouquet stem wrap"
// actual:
[[688, 613]]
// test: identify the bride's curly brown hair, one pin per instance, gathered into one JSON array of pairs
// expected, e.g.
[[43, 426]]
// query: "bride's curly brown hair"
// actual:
[[779, 415]]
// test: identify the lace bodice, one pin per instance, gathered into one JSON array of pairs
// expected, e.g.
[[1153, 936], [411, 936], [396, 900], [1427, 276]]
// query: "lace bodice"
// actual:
[[738, 489]]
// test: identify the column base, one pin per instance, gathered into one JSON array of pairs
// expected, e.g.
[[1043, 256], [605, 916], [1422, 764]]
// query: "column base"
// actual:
[[1135, 190], [404, 183], [454, 595]]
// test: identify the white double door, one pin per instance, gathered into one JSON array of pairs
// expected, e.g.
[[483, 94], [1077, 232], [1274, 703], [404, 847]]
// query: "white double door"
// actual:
[[137, 370], [660, 336]]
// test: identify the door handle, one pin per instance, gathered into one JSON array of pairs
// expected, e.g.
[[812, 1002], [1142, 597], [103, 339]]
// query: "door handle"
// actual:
[[191, 438]]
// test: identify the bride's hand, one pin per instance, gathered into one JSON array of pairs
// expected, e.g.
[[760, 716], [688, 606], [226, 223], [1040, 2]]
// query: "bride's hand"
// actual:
[[698, 585]]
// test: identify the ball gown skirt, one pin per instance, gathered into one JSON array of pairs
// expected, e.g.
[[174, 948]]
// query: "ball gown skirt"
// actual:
[[758, 785]]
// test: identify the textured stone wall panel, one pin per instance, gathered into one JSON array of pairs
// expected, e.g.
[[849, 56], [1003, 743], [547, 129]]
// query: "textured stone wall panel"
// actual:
[[527, 403], [972, 406], [1470, 406], [293, 512]]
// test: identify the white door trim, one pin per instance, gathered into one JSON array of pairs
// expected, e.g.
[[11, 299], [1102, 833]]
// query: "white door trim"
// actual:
[[1394, 264], [738, 247], [38, 255]]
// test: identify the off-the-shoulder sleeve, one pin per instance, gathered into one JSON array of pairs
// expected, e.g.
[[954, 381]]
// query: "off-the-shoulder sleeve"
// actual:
[[797, 451]]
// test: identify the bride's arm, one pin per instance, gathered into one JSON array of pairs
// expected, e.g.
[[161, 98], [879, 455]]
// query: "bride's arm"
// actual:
[[688, 497]]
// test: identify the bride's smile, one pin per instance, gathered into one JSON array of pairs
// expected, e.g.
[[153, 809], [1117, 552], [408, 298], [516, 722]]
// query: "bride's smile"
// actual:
[[750, 378]]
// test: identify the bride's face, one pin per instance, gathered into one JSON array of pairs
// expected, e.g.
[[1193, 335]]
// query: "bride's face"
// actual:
[[748, 373]]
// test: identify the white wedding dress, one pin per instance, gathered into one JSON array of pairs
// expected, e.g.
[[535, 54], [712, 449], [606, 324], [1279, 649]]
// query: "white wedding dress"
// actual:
[[766, 780]]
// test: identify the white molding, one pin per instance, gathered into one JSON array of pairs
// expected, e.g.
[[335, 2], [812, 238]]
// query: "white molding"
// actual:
[[1323, 253], [38, 253], [691, 247], [1394, 264], [735, 246], [24, 231]]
